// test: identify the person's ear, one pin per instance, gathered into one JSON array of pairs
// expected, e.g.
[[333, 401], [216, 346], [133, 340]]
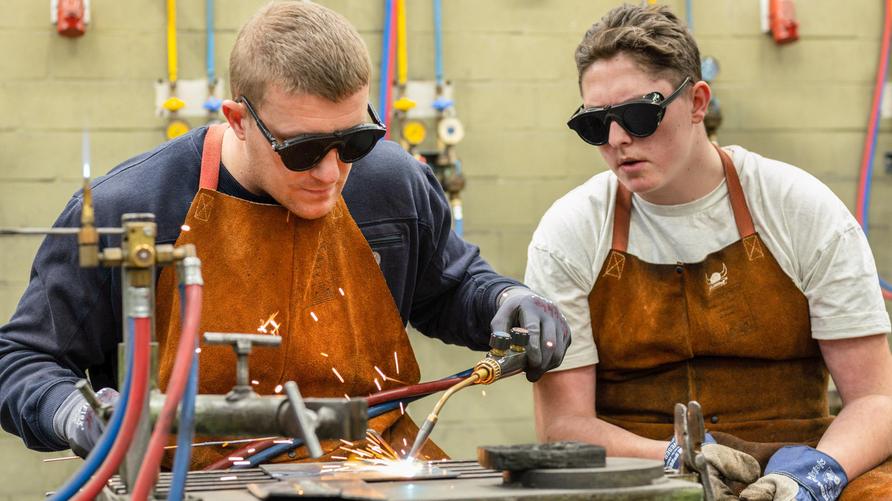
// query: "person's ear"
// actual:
[[235, 113], [701, 94]]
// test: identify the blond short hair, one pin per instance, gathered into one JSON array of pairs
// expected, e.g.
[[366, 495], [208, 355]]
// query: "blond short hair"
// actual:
[[652, 36], [303, 47]]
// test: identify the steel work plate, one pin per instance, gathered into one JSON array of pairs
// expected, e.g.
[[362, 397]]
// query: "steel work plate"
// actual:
[[369, 472], [619, 472]]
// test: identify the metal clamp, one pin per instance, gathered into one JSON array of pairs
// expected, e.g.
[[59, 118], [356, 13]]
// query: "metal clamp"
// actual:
[[690, 432], [242, 344], [307, 420]]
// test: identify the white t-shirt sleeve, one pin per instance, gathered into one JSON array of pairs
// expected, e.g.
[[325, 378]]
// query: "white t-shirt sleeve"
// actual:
[[818, 242]]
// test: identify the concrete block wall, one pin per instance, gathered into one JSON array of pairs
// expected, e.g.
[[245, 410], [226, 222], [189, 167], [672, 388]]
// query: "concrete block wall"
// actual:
[[511, 63]]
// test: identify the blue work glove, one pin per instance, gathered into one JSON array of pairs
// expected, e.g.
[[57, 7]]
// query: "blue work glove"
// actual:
[[77, 423], [549, 332], [672, 456], [798, 473]]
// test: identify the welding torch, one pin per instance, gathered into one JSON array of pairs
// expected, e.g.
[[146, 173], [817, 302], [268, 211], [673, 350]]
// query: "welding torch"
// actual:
[[507, 356]]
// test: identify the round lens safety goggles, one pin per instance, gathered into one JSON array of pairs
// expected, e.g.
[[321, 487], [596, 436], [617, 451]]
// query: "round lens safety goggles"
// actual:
[[639, 117], [303, 152]]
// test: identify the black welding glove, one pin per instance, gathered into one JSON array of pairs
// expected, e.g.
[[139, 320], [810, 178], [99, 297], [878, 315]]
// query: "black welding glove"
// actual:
[[549, 332]]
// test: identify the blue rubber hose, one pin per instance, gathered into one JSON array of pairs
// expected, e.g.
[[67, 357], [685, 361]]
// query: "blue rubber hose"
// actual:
[[101, 449], [384, 82], [209, 12], [186, 432], [438, 41]]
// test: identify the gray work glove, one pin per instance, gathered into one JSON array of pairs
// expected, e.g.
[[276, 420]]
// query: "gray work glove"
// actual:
[[549, 332], [77, 423], [771, 487], [727, 467]]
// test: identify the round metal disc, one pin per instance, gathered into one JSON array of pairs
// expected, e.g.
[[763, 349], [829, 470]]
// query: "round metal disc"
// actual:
[[619, 472]]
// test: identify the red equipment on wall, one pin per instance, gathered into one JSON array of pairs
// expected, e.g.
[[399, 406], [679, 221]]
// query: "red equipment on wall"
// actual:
[[782, 20], [71, 17]]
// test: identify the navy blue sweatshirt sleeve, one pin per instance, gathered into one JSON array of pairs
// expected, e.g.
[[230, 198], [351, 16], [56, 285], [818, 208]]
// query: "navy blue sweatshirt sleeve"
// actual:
[[63, 325], [438, 280]]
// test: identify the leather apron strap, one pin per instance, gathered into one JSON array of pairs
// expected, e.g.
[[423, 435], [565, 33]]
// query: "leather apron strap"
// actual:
[[210, 157]]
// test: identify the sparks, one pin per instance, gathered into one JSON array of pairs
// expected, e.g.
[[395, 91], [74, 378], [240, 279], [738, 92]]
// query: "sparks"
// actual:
[[230, 477], [236, 458], [281, 441], [341, 291], [197, 350], [403, 452], [347, 397], [251, 450], [269, 326], [383, 376], [549, 344], [315, 318], [483, 392], [346, 442], [338, 374], [255, 382], [278, 388], [185, 227], [396, 361], [377, 384], [342, 458], [402, 411], [405, 443], [241, 463], [323, 354]]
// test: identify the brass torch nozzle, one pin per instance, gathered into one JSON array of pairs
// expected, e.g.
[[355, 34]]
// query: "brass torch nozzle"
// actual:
[[428, 426], [87, 236]]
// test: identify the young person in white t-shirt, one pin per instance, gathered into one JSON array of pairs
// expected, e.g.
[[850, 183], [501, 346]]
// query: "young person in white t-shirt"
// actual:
[[692, 272]]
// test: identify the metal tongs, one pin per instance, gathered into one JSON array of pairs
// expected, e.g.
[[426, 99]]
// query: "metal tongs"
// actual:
[[690, 432]]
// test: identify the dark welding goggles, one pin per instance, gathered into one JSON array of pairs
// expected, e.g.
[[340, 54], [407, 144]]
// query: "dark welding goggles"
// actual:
[[303, 152], [639, 117]]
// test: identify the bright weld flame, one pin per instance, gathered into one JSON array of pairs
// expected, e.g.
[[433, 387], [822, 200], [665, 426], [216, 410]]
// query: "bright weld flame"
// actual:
[[278, 388], [185, 227], [396, 361], [269, 326], [383, 376], [315, 318], [377, 384], [338, 374]]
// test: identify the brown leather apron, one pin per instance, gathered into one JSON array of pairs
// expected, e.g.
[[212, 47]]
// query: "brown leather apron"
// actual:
[[732, 332], [318, 282]]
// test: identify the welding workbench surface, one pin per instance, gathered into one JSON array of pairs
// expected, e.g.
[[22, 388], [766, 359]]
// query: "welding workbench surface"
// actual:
[[461, 480]]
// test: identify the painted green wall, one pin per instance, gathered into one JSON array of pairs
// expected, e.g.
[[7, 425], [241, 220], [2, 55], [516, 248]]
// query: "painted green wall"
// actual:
[[515, 86]]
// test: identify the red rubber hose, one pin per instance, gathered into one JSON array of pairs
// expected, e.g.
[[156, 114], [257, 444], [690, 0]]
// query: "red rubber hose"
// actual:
[[411, 391], [139, 385], [148, 472]]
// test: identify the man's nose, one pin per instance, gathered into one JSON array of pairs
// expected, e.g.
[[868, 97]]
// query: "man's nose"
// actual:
[[328, 169]]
